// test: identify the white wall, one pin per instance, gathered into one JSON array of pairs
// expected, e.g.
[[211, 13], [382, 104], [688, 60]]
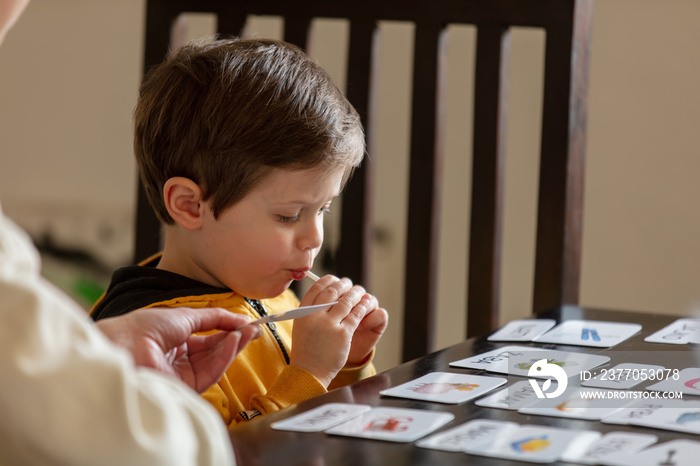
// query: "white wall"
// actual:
[[69, 74]]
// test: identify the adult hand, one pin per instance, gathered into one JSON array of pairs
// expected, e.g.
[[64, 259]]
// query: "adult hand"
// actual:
[[163, 339]]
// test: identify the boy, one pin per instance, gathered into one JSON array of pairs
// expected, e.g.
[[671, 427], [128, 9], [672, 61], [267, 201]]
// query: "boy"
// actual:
[[242, 145]]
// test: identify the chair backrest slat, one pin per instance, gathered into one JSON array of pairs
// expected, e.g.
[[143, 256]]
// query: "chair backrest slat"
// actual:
[[564, 112], [420, 291], [354, 250], [296, 30], [488, 163]]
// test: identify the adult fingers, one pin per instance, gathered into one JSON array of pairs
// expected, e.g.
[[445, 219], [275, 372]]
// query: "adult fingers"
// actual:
[[199, 345], [210, 356], [248, 334], [213, 318]]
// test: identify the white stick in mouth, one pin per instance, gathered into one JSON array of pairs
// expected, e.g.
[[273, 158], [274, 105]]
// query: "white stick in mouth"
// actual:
[[312, 275]]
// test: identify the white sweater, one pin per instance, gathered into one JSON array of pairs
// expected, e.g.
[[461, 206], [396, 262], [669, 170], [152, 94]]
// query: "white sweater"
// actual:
[[69, 396]]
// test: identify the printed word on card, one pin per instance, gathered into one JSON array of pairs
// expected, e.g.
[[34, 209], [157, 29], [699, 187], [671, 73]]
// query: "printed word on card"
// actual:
[[321, 418], [517, 360]]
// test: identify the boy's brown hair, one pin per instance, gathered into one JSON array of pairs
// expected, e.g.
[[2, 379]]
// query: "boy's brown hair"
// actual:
[[223, 113]]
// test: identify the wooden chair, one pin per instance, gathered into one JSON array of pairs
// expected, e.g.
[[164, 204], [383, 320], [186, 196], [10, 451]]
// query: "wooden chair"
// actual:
[[567, 24]]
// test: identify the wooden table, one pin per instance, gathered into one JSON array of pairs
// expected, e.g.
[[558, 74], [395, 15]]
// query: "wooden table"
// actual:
[[255, 443]]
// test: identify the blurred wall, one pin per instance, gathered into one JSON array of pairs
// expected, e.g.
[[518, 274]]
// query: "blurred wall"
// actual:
[[69, 75]]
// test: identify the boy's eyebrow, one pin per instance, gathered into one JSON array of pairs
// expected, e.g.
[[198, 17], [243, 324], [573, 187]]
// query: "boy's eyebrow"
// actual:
[[303, 203]]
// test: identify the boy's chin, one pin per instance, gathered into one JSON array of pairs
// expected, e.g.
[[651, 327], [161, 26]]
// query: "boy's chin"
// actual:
[[286, 286], [271, 292]]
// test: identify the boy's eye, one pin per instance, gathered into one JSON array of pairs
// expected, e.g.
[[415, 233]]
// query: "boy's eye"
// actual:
[[326, 210], [285, 219]]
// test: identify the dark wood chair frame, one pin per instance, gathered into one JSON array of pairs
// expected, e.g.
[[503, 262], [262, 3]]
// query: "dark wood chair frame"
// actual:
[[567, 25]]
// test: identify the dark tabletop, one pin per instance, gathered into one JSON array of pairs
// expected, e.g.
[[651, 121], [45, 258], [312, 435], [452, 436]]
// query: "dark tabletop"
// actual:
[[255, 443]]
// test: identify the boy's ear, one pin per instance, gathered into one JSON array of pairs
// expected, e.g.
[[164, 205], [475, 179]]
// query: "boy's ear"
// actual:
[[183, 199]]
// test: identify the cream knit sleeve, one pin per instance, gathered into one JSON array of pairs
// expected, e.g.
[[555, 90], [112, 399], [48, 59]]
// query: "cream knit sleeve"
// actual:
[[69, 396]]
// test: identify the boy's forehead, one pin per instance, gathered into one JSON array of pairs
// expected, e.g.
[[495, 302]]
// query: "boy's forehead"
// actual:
[[301, 186]]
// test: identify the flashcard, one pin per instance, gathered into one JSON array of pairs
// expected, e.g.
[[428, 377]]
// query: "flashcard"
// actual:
[[496, 360], [321, 418], [673, 453], [516, 396], [517, 360], [579, 403], [469, 435], [686, 381], [634, 411], [392, 424], [445, 387], [612, 443], [534, 444], [694, 337], [589, 333], [624, 376], [522, 330], [680, 416], [679, 332]]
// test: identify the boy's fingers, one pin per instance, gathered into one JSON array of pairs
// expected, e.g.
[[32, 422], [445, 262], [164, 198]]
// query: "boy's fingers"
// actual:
[[358, 311], [347, 302], [376, 319], [311, 296], [326, 290]]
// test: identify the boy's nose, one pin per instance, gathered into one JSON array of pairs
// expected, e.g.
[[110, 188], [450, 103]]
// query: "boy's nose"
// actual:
[[312, 236]]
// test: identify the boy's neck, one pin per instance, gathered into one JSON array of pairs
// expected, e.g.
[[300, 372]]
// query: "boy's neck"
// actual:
[[176, 259]]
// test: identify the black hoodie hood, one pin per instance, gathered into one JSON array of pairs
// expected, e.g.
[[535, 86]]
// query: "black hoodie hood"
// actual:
[[138, 286]]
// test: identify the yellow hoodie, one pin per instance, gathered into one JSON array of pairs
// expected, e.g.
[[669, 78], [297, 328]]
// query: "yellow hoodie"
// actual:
[[260, 380]]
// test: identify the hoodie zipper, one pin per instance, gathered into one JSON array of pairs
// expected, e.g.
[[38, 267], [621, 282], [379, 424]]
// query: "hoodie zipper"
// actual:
[[260, 309]]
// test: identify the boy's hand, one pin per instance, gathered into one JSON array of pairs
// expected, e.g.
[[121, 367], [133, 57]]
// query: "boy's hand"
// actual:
[[368, 333], [321, 342]]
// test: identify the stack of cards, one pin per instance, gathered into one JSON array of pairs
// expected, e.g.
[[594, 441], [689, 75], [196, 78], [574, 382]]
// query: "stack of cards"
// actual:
[[517, 360], [445, 387], [380, 423], [681, 332]]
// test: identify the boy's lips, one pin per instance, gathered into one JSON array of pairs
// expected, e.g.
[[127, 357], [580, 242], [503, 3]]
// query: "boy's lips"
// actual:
[[298, 274]]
